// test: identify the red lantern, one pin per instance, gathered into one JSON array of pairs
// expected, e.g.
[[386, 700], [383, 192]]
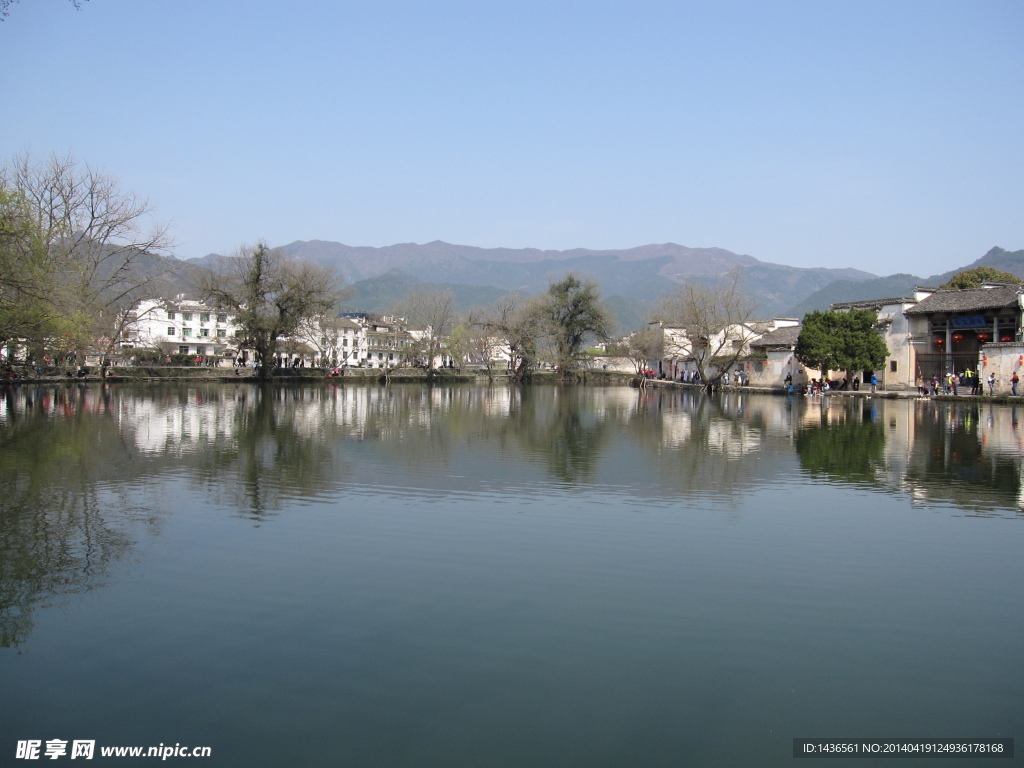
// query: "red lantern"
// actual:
[[1006, 338], [958, 337], [983, 337], [940, 342]]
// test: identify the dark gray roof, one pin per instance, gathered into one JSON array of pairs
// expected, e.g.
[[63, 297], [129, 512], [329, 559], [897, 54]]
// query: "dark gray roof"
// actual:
[[872, 303], [969, 300], [780, 337]]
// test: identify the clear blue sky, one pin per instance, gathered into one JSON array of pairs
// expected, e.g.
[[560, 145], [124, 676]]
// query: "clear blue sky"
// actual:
[[884, 135]]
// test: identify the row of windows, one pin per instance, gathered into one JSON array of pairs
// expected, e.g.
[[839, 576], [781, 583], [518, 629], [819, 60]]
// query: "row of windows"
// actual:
[[204, 317], [221, 333]]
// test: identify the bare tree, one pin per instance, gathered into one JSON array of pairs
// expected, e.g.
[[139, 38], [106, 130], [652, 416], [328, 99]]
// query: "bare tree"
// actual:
[[515, 323], [433, 311], [91, 245], [322, 333], [5, 7], [270, 296], [708, 324], [642, 348]]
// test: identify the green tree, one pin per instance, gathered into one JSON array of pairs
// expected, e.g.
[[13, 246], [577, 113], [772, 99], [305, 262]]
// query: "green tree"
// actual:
[[270, 295], [77, 251], [26, 282], [571, 314], [841, 341], [973, 278]]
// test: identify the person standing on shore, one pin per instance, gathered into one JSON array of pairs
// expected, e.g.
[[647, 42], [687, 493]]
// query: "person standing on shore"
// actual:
[[874, 383], [1014, 381], [992, 384]]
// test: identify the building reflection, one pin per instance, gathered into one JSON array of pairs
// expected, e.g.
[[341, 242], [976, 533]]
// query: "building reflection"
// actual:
[[82, 466]]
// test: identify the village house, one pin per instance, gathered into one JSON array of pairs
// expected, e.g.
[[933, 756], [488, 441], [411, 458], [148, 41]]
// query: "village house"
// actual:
[[180, 327], [772, 359], [894, 325], [679, 349], [929, 334], [979, 329]]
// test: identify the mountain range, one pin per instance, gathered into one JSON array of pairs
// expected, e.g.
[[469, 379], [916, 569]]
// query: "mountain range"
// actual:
[[632, 280], [902, 284]]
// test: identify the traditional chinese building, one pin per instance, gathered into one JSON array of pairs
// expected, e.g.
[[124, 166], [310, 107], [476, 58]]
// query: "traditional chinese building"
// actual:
[[952, 328]]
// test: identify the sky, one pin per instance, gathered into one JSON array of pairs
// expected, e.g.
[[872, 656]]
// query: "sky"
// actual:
[[887, 136]]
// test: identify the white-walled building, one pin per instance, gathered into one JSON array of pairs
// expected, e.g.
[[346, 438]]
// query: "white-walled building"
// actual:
[[179, 326]]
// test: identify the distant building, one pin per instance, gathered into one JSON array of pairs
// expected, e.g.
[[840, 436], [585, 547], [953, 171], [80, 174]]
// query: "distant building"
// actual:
[[179, 326], [958, 329], [895, 327]]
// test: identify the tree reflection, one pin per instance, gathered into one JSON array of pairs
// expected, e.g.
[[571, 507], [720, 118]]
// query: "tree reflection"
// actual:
[[75, 460], [847, 443], [275, 448], [57, 536], [560, 424]]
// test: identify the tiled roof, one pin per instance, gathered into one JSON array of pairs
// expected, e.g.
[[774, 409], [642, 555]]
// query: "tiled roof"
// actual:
[[969, 300], [872, 303], [781, 337]]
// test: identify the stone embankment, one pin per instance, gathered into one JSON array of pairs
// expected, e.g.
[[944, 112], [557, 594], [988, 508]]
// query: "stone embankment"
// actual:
[[28, 375]]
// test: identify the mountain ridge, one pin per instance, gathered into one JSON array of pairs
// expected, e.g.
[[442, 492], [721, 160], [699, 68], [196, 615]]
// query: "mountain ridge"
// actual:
[[638, 274]]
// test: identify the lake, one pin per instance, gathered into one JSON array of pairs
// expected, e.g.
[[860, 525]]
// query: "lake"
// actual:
[[467, 575]]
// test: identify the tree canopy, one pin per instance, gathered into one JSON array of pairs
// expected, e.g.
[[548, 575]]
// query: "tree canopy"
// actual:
[[270, 296], [841, 341], [973, 278], [571, 313], [512, 325], [74, 249]]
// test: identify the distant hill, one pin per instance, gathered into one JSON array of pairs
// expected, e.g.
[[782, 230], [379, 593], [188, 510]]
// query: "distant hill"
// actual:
[[385, 293], [638, 275], [847, 290], [1007, 261], [901, 284]]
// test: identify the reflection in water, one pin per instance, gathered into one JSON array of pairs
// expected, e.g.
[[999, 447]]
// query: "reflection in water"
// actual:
[[968, 454], [842, 441], [56, 537], [81, 466]]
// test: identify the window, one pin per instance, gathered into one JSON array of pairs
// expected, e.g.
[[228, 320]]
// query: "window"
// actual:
[[892, 366], [186, 315], [222, 318], [186, 331], [183, 350], [222, 333], [204, 331], [204, 317], [344, 342], [170, 315]]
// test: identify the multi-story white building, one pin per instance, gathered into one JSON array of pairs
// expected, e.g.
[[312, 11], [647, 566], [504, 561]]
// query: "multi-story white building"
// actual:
[[179, 326], [334, 340]]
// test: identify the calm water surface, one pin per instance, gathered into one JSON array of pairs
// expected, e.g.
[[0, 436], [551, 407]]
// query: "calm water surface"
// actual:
[[475, 576]]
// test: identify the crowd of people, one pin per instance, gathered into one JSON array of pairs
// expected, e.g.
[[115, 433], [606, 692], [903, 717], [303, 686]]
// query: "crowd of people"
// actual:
[[966, 382]]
